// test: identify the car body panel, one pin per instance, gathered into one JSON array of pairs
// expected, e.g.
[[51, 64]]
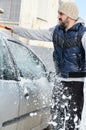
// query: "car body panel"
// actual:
[[9, 104], [37, 101]]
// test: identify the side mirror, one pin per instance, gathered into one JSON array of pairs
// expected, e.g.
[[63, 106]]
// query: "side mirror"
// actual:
[[9, 75]]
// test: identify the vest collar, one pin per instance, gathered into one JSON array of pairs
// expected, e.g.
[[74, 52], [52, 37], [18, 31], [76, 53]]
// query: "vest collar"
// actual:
[[74, 28]]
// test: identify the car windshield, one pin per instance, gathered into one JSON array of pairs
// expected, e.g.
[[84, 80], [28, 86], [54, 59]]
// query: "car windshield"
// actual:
[[27, 63]]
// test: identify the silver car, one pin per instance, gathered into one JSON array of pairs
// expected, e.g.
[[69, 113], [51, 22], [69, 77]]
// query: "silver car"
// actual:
[[25, 92]]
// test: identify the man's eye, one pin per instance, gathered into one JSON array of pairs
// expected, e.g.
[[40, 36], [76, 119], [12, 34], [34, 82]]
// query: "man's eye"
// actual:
[[60, 13]]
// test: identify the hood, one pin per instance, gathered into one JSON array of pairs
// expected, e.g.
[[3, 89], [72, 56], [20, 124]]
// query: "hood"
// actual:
[[80, 20]]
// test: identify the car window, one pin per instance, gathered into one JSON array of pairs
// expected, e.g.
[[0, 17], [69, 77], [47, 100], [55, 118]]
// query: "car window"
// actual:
[[7, 70], [27, 62]]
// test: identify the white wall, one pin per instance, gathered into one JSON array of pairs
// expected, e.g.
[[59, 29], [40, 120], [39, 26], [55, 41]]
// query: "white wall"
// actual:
[[30, 11]]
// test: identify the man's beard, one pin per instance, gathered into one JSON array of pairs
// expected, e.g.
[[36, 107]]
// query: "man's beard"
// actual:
[[63, 23]]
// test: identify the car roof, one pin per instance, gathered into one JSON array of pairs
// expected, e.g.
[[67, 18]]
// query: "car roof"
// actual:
[[12, 38], [7, 36]]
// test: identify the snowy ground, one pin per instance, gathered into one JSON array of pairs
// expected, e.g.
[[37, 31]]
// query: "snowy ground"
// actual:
[[46, 55]]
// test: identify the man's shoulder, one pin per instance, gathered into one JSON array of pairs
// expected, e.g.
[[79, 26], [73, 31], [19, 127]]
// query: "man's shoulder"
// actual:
[[58, 27], [84, 28], [82, 31]]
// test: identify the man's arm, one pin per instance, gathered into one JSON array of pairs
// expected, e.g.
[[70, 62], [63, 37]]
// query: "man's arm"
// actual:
[[34, 34], [84, 43]]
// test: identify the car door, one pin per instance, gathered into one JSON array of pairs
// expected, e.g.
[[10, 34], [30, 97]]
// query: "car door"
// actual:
[[34, 87], [9, 90]]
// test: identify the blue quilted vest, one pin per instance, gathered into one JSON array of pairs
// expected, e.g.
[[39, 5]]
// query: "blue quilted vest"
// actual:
[[69, 54]]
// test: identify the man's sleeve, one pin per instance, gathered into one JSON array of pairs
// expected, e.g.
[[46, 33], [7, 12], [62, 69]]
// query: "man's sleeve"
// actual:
[[84, 43], [34, 34]]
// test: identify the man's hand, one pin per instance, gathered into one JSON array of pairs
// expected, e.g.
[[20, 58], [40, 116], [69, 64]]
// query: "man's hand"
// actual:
[[9, 28]]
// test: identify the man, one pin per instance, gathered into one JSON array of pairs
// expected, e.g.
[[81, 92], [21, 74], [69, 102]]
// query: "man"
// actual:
[[69, 40]]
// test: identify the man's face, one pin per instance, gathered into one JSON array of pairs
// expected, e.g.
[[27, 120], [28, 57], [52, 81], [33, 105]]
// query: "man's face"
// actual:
[[63, 19]]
